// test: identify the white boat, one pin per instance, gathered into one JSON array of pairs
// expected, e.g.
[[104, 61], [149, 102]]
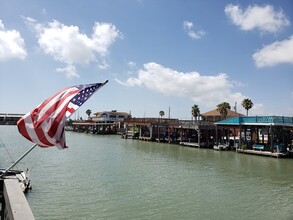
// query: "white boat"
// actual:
[[22, 177], [221, 147]]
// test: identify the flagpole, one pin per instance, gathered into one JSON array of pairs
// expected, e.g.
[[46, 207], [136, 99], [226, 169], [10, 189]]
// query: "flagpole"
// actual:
[[19, 159], [104, 83]]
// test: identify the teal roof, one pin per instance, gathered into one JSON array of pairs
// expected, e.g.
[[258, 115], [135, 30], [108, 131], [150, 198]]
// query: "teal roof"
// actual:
[[258, 120]]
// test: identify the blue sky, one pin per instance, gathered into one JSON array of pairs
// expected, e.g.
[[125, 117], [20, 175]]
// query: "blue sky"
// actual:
[[156, 54]]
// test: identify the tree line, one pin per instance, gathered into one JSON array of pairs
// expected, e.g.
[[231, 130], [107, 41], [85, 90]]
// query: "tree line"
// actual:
[[222, 108]]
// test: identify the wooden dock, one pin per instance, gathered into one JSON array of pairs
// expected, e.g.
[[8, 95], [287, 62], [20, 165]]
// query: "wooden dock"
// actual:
[[190, 144], [146, 138], [262, 153]]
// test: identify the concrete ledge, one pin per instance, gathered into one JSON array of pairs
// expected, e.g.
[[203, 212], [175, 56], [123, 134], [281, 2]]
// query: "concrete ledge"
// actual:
[[16, 205]]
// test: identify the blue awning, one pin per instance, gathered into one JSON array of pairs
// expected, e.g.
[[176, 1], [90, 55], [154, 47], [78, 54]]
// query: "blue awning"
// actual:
[[258, 120]]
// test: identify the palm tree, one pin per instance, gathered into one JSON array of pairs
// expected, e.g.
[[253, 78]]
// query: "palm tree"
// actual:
[[88, 112], [223, 108], [195, 111], [161, 113], [247, 104]]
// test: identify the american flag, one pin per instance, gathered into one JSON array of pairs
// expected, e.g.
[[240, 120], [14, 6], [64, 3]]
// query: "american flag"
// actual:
[[44, 125]]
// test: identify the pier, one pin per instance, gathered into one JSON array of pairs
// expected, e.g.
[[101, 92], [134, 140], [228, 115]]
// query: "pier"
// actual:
[[173, 131], [13, 204], [262, 153], [260, 135], [9, 118], [95, 127]]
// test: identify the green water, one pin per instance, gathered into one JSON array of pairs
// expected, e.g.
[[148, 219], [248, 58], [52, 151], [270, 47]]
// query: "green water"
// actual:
[[106, 177]]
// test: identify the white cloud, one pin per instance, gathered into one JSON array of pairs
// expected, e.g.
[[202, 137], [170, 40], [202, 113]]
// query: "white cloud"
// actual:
[[131, 64], [103, 65], [130, 82], [275, 53], [11, 44], [70, 71], [188, 28], [205, 90], [68, 45], [187, 25], [264, 18]]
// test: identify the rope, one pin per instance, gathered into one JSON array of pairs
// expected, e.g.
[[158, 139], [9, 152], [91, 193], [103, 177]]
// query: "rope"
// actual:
[[35, 163], [7, 150]]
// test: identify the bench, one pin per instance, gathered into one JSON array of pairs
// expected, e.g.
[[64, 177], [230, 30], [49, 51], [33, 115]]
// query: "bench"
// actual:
[[258, 147]]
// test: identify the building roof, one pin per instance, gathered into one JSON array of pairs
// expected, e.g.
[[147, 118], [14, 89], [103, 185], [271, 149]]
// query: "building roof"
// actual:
[[215, 112], [258, 120], [99, 114]]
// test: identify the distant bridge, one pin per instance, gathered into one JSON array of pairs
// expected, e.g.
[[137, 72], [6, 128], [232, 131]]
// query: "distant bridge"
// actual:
[[9, 118]]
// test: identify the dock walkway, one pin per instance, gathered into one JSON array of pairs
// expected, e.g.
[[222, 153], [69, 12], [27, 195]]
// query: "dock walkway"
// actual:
[[190, 144], [262, 153]]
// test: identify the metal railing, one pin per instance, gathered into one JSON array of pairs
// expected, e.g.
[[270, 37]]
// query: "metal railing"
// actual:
[[267, 119], [274, 120]]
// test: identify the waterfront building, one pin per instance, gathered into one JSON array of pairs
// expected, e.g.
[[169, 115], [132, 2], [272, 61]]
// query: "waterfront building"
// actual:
[[215, 116], [110, 116], [204, 132], [149, 129], [106, 122], [186, 132], [197, 133], [272, 134]]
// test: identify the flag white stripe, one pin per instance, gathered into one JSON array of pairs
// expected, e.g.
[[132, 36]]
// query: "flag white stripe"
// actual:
[[55, 100], [47, 124], [71, 105], [29, 126]]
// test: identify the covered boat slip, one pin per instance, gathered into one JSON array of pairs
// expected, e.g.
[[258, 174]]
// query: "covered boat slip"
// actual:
[[185, 132], [262, 135], [149, 129]]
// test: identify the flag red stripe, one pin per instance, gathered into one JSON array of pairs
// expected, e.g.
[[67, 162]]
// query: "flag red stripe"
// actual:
[[52, 97], [41, 136], [22, 129], [56, 122], [55, 106], [71, 110]]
